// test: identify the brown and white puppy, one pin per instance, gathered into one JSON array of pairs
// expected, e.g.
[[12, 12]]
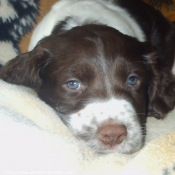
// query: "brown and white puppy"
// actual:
[[104, 66]]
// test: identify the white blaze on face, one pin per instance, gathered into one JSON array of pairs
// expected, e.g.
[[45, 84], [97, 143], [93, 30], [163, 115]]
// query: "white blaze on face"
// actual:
[[119, 111]]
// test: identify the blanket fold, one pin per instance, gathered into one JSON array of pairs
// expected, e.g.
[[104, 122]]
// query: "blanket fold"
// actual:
[[32, 132]]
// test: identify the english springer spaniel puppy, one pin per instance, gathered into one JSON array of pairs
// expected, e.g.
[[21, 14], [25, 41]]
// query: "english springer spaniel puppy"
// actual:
[[104, 66]]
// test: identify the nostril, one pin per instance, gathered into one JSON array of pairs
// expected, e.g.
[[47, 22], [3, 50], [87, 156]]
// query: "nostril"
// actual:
[[106, 139], [112, 134], [121, 138]]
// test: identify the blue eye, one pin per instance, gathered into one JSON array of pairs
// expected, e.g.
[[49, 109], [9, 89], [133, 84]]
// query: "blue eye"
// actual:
[[73, 84], [132, 80]]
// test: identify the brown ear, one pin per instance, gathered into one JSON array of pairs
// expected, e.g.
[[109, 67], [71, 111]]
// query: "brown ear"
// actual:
[[25, 69], [161, 92]]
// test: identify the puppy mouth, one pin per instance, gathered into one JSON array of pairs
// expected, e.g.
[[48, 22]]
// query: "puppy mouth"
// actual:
[[105, 128]]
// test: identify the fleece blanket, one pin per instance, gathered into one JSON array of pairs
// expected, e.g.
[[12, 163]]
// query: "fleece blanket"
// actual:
[[33, 140]]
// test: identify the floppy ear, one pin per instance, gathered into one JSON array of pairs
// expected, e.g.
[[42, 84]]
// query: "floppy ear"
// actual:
[[161, 91], [25, 69], [162, 88]]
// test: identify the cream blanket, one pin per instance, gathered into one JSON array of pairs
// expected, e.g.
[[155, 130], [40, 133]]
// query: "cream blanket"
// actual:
[[33, 139]]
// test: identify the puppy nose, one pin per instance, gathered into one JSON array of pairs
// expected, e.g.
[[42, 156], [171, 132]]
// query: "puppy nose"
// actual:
[[112, 134]]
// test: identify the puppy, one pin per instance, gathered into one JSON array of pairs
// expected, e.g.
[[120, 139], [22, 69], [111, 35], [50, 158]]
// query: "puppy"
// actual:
[[104, 66]]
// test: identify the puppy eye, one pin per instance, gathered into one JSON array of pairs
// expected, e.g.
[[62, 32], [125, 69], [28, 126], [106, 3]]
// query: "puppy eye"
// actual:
[[73, 84], [132, 80]]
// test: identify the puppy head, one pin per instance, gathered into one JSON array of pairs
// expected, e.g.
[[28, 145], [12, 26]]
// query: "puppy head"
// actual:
[[102, 84]]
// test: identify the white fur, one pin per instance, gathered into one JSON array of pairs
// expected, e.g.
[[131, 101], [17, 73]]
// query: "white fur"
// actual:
[[120, 111], [102, 11]]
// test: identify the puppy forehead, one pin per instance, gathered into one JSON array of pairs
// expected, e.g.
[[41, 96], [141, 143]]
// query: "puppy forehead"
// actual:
[[98, 47], [91, 40]]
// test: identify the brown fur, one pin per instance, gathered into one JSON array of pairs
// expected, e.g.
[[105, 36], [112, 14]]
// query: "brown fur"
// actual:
[[81, 53]]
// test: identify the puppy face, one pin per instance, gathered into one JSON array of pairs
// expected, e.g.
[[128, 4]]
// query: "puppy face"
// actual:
[[98, 80], [95, 81]]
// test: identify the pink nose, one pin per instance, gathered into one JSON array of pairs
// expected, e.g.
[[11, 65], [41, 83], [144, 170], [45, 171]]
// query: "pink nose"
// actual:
[[112, 134]]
